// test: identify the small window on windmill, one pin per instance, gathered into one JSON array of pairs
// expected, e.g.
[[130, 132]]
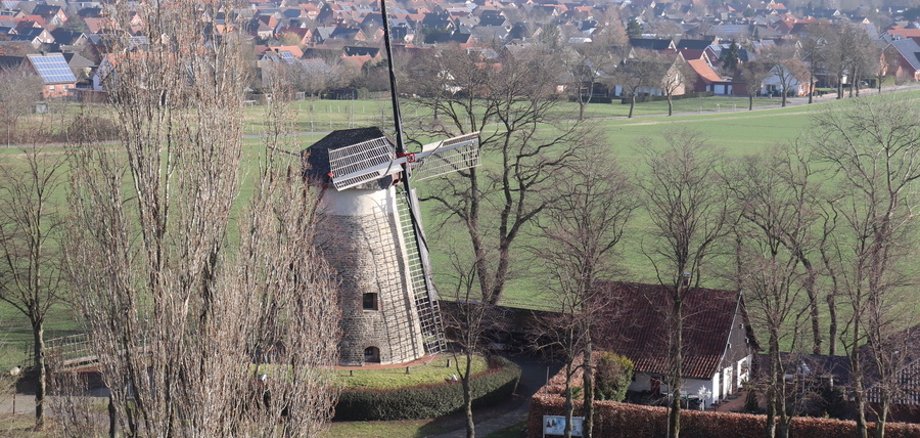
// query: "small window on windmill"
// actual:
[[371, 355], [370, 301]]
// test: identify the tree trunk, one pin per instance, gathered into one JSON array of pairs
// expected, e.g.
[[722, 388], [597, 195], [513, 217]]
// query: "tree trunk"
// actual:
[[632, 104], [812, 304], [38, 333], [569, 406], [832, 323], [581, 109], [750, 101], [784, 422], [773, 382], [588, 379], [839, 85], [882, 418], [670, 106], [113, 418], [676, 370], [784, 97], [858, 397], [468, 398], [878, 83], [811, 83]]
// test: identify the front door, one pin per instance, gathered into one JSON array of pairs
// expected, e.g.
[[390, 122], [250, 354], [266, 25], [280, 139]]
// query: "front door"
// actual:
[[726, 381]]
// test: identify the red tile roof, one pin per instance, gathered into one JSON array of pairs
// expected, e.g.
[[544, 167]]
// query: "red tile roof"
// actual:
[[638, 327], [704, 71]]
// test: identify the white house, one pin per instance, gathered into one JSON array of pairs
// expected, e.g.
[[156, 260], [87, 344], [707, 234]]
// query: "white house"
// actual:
[[718, 343]]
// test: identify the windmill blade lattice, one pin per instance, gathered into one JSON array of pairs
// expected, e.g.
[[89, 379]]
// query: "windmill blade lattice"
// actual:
[[448, 156], [362, 162], [426, 300]]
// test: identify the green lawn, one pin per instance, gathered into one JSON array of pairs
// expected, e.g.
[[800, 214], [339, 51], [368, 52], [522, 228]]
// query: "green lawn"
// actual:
[[736, 132], [385, 429], [433, 372]]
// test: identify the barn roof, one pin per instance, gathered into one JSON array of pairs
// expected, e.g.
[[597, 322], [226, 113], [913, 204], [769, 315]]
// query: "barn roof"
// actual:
[[638, 327]]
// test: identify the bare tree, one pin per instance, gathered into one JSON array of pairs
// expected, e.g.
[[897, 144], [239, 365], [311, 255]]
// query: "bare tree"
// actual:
[[512, 110], [315, 76], [786, 189], [30, 226], [20, 88], [587, 64], [184, 316], [676, 80], [689, 212], [788, 70], [840, 50], [874, 149], [468, 323], [864, 60], [640, 75], [886, 65], [814, 45], [581, 231], [753, 74], [769, 191]]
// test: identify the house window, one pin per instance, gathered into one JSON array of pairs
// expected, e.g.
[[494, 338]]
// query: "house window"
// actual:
[[370, 301], [372, 355]]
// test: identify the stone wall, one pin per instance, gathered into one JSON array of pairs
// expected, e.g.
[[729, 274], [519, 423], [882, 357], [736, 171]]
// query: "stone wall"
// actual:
[[366, 249]]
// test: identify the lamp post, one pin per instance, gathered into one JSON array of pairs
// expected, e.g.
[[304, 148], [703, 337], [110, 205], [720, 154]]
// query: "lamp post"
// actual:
[[14, 373]]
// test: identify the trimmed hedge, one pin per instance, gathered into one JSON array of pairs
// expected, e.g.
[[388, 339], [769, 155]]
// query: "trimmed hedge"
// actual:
[[623, 420], [428, 401]]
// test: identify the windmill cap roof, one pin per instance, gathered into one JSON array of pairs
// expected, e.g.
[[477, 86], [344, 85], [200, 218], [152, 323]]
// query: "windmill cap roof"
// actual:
[[316, 157]]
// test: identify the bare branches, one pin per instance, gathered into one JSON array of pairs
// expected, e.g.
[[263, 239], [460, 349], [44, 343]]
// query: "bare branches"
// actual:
[[690, 213], [874, 148], [30, 247], [20, 88], [197, 332], [511, 107], [580, 232]]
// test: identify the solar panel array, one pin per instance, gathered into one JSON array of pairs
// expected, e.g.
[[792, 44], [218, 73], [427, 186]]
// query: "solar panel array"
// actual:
[[286, 56], [52, 68]]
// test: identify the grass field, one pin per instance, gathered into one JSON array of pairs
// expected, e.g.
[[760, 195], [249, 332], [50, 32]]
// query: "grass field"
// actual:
[[735, 132]]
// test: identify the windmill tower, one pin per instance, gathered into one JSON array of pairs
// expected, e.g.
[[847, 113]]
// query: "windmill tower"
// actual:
[[372, 234]]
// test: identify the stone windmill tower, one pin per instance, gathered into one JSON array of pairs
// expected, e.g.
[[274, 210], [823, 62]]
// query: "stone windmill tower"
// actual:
[[372, 234]]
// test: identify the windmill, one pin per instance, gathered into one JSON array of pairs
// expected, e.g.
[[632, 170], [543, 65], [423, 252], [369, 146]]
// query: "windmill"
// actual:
[[372, 234]]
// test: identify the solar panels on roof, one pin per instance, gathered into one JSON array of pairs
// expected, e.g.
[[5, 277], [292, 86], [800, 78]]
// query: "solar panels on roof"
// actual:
[[52, 68]]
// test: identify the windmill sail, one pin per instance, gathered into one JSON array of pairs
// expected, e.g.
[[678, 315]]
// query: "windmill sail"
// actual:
[[426, 298], [447, 156], [363, 162]]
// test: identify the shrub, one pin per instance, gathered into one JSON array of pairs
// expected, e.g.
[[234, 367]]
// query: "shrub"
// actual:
[[613, 375], [428, 401], [90, 128]]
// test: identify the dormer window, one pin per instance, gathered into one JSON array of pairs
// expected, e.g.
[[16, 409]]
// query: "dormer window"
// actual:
[[370, 301]]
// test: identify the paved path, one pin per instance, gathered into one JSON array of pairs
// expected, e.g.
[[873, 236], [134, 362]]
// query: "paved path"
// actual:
[[533, 376]]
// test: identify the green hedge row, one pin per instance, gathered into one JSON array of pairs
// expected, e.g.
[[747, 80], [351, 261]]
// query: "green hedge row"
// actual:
[[621, 420], [428, 401]]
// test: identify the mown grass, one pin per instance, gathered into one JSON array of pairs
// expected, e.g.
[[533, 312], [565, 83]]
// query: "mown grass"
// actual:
[[385, 429], [736, 133], [436, 371]]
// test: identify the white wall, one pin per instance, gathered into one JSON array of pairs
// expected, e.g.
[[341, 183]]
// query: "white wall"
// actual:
[[642, 382]]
